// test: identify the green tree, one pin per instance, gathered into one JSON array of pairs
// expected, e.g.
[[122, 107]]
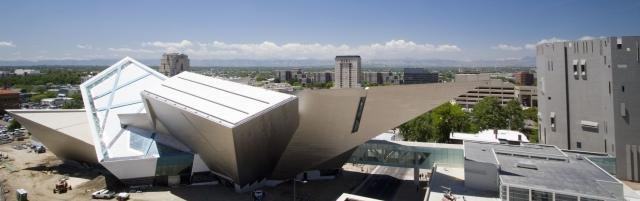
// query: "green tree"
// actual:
[[50, 94], [37, 98], [515, 115], [39, 89], [447, 118], [73, 105], [533, 133], [437, 124], [13, 125], [327, 85], [531, 114], [418, 129], [488, 114]]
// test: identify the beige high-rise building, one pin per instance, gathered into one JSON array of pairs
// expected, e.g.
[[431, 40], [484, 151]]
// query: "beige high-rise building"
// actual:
[[173, 63], [348, 72]]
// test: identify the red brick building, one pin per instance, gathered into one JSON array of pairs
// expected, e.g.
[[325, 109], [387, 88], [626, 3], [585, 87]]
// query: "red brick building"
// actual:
[[523, 78], [9, 99]]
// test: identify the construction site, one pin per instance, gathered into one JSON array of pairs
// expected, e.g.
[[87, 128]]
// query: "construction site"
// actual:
[[42, 176]]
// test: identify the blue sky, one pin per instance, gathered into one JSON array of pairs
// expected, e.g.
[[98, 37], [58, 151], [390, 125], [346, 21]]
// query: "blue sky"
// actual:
[[278, 29]]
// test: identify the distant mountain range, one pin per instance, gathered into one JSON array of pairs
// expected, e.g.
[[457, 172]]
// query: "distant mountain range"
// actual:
[[516, 62]]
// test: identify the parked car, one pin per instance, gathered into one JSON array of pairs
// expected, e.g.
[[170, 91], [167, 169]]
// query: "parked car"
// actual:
[[19, 135], [122, 196], [5, 137], [103, 194], [39, 149]]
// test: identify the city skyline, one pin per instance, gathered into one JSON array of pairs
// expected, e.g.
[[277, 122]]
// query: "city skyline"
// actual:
[[276, 30]]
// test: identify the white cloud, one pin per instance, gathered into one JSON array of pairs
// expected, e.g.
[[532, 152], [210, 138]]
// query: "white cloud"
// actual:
[[589, 37], [393, 49], [530, 46], [506, 47], [169, 46], [84, 46], [7, 44], [131, 50], [551, 40], [586, 38]]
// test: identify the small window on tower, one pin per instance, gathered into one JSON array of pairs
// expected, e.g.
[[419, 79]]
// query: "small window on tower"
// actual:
[[619, 43], [583, 68], [609, 88], [552, 120]]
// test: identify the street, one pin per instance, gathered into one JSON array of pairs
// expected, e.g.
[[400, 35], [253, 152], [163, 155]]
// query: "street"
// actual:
[[383, 182]]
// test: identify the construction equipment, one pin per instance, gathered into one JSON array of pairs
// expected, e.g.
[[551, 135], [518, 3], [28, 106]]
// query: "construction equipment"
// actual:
[[21, 195], [62, 186], [448, 195]]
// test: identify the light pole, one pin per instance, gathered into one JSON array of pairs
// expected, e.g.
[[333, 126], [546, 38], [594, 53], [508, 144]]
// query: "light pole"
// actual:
[[294, 180]]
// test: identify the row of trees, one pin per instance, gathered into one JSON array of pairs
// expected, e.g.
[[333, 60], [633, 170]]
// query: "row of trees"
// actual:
[[76, 103], [436, 125], [53, 76]]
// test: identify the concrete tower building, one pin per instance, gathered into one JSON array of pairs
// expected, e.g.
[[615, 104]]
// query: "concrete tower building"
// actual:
[[348, 72], [174, 63], [588, 94]]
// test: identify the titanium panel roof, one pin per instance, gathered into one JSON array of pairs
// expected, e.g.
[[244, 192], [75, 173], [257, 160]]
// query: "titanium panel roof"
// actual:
[[225, 102], [65, 132], [70, 121], [114, 91]]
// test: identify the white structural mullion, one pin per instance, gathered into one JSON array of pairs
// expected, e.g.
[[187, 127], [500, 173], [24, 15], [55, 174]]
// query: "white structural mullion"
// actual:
[[122, 86], [112, 94]]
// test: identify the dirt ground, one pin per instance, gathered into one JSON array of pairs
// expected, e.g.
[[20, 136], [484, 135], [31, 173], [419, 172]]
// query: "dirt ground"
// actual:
[[38, 173]]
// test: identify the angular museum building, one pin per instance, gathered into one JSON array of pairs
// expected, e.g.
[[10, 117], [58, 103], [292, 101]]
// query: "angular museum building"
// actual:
[[146, 128]]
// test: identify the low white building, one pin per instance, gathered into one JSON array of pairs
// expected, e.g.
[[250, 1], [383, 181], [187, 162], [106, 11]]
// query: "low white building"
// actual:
[[537, 172], [490, 135], [26, 72], [55, 102], [279, 87]]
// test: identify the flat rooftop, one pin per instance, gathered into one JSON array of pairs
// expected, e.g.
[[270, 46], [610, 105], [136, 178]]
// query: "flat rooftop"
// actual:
[[484, 151], [453, 178], [547, 167]]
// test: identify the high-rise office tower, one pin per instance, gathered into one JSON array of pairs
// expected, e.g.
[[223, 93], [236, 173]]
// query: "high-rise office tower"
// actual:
[[589, 94], [419, 76], [348, 72], [173, 63]]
